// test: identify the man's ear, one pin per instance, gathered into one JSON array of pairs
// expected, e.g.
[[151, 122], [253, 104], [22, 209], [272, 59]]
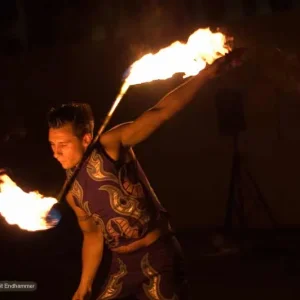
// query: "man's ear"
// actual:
[[87, 139]]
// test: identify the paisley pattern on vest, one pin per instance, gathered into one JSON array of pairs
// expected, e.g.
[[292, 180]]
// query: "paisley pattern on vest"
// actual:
[[118, 197]]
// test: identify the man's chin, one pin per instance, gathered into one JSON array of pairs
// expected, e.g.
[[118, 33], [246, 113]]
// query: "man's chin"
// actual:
[[65, 166]]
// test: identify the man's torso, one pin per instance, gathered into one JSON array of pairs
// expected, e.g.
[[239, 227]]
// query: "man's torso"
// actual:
[[119, 198]]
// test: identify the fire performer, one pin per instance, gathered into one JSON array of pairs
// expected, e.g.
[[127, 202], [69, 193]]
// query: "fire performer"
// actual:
[[114, 202]]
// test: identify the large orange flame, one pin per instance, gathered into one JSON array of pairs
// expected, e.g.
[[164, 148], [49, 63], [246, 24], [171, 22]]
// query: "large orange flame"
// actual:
[[27, 210], [202, 47]]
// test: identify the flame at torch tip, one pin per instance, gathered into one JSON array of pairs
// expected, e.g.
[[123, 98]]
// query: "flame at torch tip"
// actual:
[[27, 210], [202, 47]]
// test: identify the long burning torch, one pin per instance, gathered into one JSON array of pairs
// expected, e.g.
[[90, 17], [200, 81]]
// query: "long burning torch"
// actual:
[[203, 47]]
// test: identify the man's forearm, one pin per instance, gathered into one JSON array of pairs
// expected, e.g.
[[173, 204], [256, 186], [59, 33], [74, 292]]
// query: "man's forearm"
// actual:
[[92, 252], [177, 99], [139, 130]]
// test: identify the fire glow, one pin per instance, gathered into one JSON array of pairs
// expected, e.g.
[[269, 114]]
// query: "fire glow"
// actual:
[[30, 211], [202, 47]]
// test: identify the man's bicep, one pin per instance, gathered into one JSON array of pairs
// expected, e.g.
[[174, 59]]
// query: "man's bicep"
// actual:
[[129, 134], [139, 130]]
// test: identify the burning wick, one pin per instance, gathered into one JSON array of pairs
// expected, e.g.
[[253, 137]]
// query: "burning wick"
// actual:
[[30, 211], [202, 47]]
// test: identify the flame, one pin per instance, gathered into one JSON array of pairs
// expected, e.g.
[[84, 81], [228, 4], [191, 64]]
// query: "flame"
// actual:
[[30, 211], [202, 47]]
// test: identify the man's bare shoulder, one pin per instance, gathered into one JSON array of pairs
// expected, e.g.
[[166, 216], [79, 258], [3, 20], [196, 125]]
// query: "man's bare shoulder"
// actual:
[[111, 142], [113, 135]]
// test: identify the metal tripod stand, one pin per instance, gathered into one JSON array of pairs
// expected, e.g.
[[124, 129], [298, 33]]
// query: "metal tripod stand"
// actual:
[[235, 201]]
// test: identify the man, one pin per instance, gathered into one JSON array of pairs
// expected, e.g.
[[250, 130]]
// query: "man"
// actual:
[[115, 203]]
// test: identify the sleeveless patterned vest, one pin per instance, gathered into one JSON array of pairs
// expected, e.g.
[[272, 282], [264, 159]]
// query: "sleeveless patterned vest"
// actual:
[[118, 197]]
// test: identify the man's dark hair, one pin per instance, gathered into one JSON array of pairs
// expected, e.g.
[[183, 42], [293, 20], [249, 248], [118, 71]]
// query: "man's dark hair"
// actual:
[[79, 115]]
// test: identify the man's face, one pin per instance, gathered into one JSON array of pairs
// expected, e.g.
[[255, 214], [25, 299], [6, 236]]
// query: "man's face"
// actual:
[[67, 148]]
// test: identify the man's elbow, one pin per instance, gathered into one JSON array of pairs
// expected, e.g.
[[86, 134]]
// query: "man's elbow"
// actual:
[[93, 239]]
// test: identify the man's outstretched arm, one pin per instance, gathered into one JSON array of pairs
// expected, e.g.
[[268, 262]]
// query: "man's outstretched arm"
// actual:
[[130, 134]]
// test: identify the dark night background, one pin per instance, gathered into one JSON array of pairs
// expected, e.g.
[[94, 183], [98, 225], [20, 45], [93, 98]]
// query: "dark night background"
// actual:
[[53, 52]]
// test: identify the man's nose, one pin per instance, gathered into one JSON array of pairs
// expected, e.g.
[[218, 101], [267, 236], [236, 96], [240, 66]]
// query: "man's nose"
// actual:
[[56, 152]]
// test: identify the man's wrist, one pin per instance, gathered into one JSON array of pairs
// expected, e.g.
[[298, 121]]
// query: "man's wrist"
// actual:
[[206, 74], [86, 282]]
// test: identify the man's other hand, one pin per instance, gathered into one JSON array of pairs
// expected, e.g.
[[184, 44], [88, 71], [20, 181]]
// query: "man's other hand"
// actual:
[[226, 63], [83, 292]]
